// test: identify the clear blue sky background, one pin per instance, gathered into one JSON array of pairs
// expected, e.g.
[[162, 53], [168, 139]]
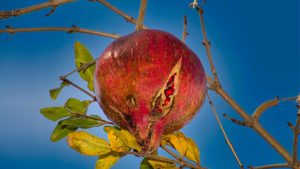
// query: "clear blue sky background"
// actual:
[[255, 45]]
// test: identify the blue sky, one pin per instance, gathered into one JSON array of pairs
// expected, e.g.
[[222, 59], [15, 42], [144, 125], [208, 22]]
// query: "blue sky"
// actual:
[[255, 45]]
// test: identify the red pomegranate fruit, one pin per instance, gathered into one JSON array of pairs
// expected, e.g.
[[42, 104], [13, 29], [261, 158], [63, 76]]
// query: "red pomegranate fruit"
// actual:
[[150, 83]]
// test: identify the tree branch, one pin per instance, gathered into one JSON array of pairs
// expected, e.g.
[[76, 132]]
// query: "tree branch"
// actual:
[[296, 134], [284, 165], [224, 132], [140, 20], [164, 159], [268, 104], [18, 12], [206, 44], [126, 17], [78, 87], [184, 33], [72, 29], [215, 85], [81, 68]]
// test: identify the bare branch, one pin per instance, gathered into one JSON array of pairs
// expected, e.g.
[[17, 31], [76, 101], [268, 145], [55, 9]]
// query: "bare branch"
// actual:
[[268, 104], [239, 122], [18, 12], [140, 20], [296, 134], [284, 165], [126, 17], [224, 132], [206, 43], [72, 29], [78, 87], [215, 85], [184, 33], [264, 106]]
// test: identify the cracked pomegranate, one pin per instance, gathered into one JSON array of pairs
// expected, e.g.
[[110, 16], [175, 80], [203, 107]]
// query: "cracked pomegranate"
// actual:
[[150, 83]]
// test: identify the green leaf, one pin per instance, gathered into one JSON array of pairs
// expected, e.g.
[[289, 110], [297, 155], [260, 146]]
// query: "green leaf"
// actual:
[[81, 122], [88, 144], [145, 164], [77, 106], [82, 57], [178, 141], [106, 161], [192, 152], [54, 92], [54, 113], [61, 131], [161, 165], [121, 140]]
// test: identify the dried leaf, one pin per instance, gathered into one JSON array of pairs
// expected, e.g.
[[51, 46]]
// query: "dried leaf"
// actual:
[[192, 152], [178, 141], [121, 140], [82, 57], [88, 144], [106, 161]]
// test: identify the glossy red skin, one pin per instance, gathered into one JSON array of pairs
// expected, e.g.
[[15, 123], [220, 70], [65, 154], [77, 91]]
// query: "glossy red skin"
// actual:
[[138, 65]]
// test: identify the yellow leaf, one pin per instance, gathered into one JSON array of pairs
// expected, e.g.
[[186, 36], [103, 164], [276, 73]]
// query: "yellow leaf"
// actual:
[[178, 141], [185, 146], [130, 140], [121, 140], [192, 151], [115, 139], [88, 144], [161, 165], [106, 161]]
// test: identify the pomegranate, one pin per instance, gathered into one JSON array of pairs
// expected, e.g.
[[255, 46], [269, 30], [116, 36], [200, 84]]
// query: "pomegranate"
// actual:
[[150, 83]]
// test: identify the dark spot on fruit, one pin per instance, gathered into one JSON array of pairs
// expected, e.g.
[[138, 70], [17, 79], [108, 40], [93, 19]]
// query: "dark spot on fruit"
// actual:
[[129, 120], [130, 101]]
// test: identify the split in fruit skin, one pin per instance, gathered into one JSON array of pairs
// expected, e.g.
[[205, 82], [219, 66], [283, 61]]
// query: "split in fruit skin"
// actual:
[[150, 83]]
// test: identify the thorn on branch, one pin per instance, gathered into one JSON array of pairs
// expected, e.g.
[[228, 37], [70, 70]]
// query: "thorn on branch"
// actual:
[[239, 122]]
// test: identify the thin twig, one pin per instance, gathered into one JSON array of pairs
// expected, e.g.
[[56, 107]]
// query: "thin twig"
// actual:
[[18, 12], [81, 68], [90, 117], [224, 132], [78, 87], [284, 165], [206, 43], [215, 85], [140, 20], [164, 159], [239, 122], [171, 153], [126, 17], [268, 104], [72, 29], [184, 33], [296, 134]]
